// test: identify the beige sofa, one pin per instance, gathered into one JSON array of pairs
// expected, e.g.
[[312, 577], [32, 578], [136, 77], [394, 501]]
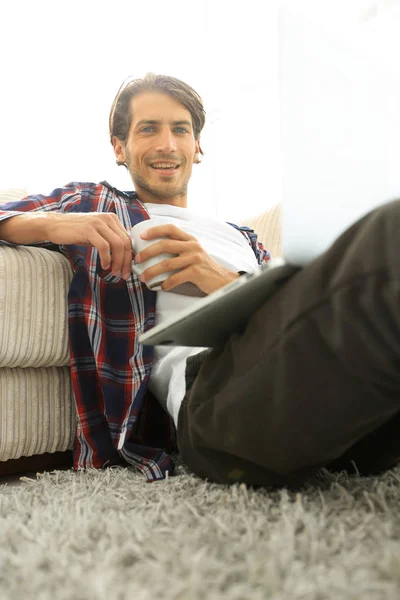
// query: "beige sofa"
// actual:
[[37, 413]]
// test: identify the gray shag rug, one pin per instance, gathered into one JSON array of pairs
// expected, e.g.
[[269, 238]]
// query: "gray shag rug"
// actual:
[[101, 535]]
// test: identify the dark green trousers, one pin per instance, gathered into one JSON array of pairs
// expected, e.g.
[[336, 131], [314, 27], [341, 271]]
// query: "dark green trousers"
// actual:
[[314, 380]]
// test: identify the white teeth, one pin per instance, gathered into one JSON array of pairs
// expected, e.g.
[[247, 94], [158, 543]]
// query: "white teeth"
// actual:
[[163, 166]]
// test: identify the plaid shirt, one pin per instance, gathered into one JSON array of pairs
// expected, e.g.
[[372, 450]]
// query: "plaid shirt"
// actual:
[[118, 419]]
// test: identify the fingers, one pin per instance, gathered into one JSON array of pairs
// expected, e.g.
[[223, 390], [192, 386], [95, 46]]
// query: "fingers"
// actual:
[[185, 249], [190, 262], [115, 249], [122, 252], [104, 231], [171, 231], [114, 245], [169, 246], [103, 247]]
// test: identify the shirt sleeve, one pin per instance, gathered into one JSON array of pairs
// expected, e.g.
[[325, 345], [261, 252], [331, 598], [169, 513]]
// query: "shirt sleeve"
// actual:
[[65, 199], [262, 255]]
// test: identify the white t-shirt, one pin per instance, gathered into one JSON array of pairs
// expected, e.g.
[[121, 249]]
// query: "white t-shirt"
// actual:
[[226, 246]]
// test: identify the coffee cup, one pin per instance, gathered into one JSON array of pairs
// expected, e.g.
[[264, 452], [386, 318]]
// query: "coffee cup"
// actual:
[[138, 245]]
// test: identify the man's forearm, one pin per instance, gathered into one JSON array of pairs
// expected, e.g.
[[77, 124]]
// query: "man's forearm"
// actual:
[[26, 228], [103, 231]]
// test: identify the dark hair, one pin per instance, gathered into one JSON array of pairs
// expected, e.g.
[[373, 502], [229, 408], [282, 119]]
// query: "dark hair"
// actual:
[[120, 114]]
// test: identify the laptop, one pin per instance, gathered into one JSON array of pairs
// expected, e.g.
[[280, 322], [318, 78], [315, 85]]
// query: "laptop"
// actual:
[[340, 142]]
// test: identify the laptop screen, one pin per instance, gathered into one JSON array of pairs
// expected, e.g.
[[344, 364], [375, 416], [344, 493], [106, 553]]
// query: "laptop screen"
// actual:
[[340, 130]]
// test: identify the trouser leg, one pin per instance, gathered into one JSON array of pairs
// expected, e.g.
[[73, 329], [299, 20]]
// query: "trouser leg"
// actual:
[[315, 372]]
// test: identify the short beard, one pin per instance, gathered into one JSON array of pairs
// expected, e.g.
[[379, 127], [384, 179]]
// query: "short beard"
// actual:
[[141, 183]]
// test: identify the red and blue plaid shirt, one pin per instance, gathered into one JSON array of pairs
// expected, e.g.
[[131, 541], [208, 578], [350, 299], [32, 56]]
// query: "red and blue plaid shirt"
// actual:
[[117, 417]]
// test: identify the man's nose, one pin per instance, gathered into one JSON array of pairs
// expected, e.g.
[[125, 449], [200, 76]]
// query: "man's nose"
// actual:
[[166, 141]]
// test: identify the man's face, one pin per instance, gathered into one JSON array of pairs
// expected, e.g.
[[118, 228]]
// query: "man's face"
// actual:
[[160, 149]]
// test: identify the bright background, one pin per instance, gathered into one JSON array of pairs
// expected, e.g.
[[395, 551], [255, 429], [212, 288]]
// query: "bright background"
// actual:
[[61, 65]]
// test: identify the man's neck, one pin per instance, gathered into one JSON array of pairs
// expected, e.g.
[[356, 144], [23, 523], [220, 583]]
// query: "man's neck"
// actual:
[[148, 198]]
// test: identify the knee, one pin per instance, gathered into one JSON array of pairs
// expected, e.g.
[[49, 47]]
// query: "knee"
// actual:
[[384, 221]]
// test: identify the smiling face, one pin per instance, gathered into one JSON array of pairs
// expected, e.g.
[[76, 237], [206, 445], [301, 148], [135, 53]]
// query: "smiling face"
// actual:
[[160, 149]]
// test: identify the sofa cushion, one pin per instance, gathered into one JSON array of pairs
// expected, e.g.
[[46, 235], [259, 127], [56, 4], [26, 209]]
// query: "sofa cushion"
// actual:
[[267, 225], [12, 194], [37, 411]]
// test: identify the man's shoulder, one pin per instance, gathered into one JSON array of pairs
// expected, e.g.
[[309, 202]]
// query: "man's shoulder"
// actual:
[[242, 228], [84, 196], [98, 187], [99, 193]]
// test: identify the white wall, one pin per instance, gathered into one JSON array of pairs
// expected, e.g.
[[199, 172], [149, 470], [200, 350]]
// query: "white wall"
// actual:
[[62, 65]]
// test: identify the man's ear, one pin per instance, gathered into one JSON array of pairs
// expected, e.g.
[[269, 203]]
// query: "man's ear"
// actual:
[[119, 150], [196, 157]]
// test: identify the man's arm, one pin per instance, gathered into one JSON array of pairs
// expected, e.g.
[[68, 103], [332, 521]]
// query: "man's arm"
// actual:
[[40, 219], [24, 228], [104, 231]]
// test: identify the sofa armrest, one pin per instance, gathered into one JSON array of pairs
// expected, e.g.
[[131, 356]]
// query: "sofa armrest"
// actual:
[[34, 285]]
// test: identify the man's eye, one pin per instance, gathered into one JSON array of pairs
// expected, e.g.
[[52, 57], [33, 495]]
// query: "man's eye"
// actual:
[[180, 130], [148, 128]]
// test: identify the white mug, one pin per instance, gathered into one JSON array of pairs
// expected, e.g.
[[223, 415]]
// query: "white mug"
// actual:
[[138, 244]]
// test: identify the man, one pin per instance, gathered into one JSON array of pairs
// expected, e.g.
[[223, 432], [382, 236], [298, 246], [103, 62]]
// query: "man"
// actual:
[[314, 379], [155, 127]]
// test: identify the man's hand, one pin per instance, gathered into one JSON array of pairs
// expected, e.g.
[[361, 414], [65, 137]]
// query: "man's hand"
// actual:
[[195, 264], [104, 231]]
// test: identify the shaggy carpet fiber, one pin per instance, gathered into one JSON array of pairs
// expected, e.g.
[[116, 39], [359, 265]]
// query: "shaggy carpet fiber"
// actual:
[[109, 535]]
